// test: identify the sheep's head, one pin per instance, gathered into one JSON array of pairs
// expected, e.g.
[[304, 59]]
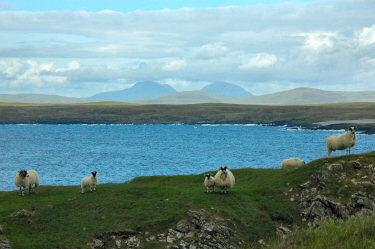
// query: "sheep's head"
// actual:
[[23, 173], [208, 176], [352, 129], [223, 169], [93, 173]]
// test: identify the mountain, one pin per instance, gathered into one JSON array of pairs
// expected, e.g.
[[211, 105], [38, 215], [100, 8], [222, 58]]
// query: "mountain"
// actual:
[[42, 99], [188, 97], [305, 95], [140, 90], [224, 88]]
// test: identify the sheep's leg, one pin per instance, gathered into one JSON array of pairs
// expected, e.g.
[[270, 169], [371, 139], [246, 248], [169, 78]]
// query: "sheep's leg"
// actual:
[[329, 152], [36, 188], [82, 190], [90, 188], [207, 189], [30, 188], [94, 187]]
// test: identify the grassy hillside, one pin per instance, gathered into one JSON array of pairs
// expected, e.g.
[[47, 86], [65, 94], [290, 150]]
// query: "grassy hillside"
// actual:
[[189, 97], [117, 112], [309, 96], [42, 99], [64, 218]]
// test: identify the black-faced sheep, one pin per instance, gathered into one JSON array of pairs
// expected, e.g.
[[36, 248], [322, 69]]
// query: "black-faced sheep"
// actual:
[[91, 181], [292, 162], [224, 179], [209, 182], [26, 179], [342, 142]]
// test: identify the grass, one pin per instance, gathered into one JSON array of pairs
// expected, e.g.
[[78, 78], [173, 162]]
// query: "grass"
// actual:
[[125, 113], [356, 232], [64, 218]]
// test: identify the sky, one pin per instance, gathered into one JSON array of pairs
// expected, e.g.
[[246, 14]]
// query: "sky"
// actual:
[[80, 48]]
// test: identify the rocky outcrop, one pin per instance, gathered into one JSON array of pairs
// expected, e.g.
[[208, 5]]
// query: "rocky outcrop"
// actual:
[[4, 244], [320, 207], [201, 230]]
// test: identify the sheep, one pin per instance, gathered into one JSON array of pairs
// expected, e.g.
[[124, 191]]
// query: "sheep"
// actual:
[[292, 162], [224, 179], [91, 181], [342, 142], [209, 182], [27, 179]]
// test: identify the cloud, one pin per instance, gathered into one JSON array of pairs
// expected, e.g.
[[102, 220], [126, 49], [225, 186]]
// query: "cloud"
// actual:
[[320, 43], [175, 65], [367, 36], [259, 61]]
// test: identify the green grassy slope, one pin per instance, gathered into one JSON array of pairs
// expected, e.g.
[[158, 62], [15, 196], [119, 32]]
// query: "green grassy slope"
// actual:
[[107, 113], [257, 204]]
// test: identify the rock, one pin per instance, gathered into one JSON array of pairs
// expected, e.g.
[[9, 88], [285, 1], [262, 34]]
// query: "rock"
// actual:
[[335, 167], [118, 243], [362, 201], [1, 230], [317, 182], [283, 232], [307, 184], [182, 227], [22, 213], [357, 165], [97, 244], [262, 243], [4, 244], [370, 169], [320, 207], [325, 174]]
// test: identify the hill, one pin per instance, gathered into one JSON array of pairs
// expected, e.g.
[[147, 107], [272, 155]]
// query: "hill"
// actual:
[[309, 96], [42, 99], [224, 88], [139, 91], [188, 97], [174, 211]]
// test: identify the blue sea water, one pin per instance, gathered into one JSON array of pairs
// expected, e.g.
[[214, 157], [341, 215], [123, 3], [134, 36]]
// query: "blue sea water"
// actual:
[[63, 154]]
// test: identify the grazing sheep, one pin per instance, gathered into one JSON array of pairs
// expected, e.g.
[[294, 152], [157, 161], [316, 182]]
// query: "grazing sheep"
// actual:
[[91, 181], [209, 182], [224, 179], [342, 142], [26, 179], [292, 162]]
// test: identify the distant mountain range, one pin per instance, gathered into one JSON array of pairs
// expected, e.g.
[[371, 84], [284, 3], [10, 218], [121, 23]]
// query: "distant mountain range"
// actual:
[[139, 91], [42, 99], [220, 92]]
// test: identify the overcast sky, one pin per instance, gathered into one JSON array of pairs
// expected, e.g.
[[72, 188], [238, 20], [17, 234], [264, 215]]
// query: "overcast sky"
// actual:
[[79, 48]]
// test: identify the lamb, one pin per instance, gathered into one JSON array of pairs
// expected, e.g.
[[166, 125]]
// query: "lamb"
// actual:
[[209, 182], [91, 181], [292, 162], [224, 179], [342, 142], [27, 179]]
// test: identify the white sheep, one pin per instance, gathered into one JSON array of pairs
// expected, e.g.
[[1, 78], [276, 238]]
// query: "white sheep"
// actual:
[[91, 181], [224, 179], [209, 182], [26, 179], [292, 162], [342, 142]]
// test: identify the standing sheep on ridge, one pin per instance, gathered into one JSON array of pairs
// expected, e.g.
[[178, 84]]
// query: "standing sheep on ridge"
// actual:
[[209, 182], [224, 179], [342, 142], [91, 181], [292, 162], [26, 179]]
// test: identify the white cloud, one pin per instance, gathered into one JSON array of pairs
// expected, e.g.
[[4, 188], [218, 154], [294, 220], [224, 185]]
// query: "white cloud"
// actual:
[[318, 41], [367, 36], [175, 65], [259, 61], [210, 50]]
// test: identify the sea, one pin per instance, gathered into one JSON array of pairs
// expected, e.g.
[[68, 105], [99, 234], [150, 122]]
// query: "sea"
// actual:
[[64, 154]]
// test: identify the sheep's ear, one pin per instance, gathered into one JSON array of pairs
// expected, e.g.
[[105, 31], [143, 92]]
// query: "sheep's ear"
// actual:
[[225, 167]]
